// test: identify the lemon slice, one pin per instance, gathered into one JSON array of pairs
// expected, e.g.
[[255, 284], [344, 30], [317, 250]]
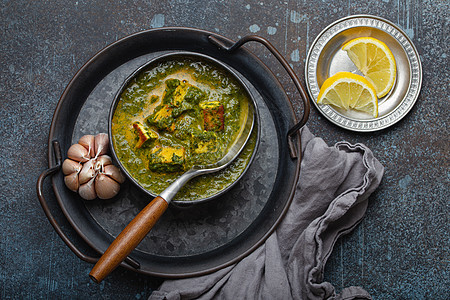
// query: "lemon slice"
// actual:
[[349, 91], [374, 59]]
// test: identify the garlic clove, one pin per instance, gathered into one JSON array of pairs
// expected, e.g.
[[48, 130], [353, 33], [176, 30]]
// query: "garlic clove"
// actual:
[[104, 160], [70, 166], [88, 142], [87, 190], [101, 144], [87, 172], [106, 187], [78, 153], [72, 182], [115, 173]]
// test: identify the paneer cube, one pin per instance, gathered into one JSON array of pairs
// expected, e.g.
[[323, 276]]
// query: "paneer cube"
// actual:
[[179, 93], [184, 107], [161, 117], [171, 86], [167, 159], [213, 116], [194, 95], [146, 135]]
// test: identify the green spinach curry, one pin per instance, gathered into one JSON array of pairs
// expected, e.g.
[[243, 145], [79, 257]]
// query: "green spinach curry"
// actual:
[[179, 113]]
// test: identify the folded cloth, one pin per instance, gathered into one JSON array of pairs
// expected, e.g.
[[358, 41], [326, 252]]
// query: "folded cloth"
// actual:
[[331, 198]]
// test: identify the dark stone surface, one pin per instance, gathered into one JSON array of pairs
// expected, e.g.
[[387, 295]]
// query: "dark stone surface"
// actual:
[[400, 249]]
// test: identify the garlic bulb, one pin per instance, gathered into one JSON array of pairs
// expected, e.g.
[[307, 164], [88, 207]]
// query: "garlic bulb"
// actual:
[[89, 170]]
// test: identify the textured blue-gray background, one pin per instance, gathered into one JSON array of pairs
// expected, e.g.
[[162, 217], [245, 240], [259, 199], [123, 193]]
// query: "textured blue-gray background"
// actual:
[[399, 251]]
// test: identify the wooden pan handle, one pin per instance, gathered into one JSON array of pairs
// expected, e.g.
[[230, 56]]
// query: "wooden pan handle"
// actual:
[[128, 239]]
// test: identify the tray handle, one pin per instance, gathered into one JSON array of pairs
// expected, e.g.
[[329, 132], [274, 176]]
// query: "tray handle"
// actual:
[[39, 189], [287, 67]]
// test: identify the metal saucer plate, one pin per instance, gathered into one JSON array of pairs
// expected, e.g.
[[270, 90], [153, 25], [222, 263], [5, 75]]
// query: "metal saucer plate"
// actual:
[[325, 58]]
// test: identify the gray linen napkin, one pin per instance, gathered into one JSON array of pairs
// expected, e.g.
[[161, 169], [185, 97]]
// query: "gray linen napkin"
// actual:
[[330, 200]]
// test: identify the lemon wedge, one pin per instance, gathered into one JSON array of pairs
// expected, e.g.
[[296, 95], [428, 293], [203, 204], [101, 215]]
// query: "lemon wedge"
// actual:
[[375, 60], [349, 91]]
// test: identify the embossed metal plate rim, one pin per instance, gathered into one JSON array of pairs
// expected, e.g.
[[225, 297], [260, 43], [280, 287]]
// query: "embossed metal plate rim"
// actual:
[[257, 222], [415, 69]]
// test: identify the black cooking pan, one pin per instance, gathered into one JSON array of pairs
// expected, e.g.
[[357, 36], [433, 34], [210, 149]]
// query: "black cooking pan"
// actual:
[[186, 242], [224, 69]]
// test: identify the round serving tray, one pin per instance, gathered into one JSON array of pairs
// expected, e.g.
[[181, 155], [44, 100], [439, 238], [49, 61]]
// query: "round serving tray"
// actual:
[[186, 241], [325, 58]]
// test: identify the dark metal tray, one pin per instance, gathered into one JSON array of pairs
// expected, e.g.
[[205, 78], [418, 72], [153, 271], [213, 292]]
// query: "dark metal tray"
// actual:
[[186, 241]]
